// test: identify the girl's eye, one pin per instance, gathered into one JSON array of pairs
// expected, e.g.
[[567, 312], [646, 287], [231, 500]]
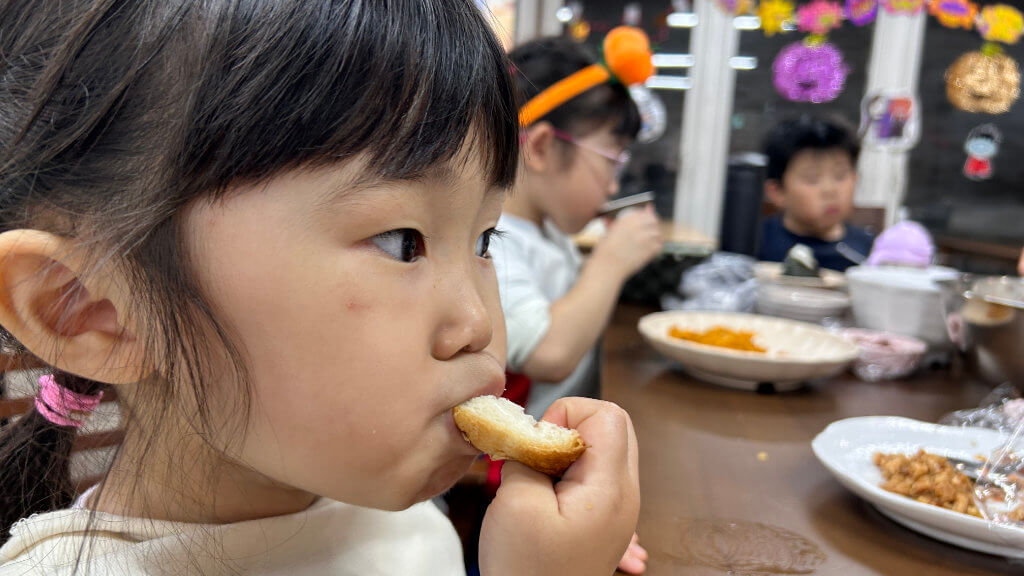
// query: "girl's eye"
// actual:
[[404, 244], [483, 243]]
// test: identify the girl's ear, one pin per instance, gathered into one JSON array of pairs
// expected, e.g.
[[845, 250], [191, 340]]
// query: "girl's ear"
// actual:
[[71, 320], [538, 146], [773, 191]]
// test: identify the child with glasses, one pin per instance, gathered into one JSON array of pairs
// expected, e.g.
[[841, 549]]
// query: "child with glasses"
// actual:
[[556, 306]]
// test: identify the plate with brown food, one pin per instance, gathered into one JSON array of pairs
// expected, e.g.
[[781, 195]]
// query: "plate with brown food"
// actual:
[[907, 470], [747, 351]]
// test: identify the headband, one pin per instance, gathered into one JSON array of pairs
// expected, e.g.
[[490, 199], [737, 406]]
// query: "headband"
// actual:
[[627, 59]]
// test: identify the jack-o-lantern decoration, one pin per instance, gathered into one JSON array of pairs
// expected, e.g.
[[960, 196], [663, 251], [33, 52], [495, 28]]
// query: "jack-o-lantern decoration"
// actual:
[[986, 83]]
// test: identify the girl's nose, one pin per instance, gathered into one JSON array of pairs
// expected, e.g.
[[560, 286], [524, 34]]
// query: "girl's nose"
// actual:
[[466, 322]]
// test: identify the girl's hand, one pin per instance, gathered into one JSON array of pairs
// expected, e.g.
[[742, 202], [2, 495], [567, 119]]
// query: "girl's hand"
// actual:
[[580, 525], [633, 239]]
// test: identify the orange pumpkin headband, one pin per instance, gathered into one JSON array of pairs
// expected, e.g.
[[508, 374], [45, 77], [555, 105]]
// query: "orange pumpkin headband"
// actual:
[[627, 58]]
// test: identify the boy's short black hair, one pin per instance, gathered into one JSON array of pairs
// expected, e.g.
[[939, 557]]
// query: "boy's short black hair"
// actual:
[[540, 63], [790, 137]]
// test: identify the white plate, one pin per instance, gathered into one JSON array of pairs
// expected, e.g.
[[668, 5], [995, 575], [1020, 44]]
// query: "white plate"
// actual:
[[800, 303], [772, 272], [846, 448], [796, 351]]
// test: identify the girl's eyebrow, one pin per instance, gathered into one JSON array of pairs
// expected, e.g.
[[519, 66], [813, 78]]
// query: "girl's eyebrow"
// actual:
[[351, 187]]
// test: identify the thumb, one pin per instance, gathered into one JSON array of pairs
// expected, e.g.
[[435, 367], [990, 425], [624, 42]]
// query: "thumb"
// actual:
[[520, 483]]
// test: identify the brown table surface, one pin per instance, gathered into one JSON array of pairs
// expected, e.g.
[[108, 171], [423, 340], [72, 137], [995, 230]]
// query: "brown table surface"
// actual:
[[731, 473]]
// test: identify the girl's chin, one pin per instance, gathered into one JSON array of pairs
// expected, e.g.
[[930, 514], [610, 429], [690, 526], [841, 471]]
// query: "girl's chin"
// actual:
[[443, 478]]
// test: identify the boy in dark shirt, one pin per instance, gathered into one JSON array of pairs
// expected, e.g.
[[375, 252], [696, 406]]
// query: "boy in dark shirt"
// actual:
[[811, 177]]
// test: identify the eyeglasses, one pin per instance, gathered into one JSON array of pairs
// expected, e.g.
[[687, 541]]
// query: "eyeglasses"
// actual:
[[619, 160]]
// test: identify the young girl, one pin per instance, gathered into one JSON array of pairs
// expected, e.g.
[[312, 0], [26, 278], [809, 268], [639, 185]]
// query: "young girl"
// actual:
[[578, 119], [265, 225], [573, 150]]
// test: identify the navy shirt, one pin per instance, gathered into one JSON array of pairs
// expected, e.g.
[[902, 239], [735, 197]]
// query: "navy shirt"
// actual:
[[776, 242]]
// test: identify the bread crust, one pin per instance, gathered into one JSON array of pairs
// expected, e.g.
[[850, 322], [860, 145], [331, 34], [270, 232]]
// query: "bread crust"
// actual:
[[502, 444]]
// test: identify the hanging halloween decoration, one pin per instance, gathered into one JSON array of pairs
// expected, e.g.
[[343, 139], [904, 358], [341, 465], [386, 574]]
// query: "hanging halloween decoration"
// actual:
[[890, 120], [736, 6], [579, 30], [861, 12], [954, 13], [774, 15], [812, 70], [988, 81], [981, 145], [906, 7], [819, 17]]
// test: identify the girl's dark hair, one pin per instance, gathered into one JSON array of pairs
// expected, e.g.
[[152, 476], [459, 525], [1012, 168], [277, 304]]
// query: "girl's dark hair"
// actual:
[[790, 137], [40, 475], [116, 114], [541, 63]]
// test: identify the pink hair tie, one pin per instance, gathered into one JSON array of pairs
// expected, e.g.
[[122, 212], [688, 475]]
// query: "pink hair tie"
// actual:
[[64, 407]]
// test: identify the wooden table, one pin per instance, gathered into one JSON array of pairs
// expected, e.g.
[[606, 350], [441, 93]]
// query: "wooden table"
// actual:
[[731, 473]]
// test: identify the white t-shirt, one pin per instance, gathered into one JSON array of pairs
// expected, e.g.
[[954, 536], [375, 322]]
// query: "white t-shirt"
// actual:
[[328, 538], [535, 268]]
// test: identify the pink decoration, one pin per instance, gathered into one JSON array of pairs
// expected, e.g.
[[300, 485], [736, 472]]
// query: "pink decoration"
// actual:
[[861, 12], [819, 17], [903, 6], [804, 73]]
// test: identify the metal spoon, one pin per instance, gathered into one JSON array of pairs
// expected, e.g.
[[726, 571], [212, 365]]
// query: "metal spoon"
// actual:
[[850, 254]]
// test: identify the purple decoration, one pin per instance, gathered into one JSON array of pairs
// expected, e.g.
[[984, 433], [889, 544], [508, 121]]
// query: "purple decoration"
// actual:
[[861, 12], [809, 73]]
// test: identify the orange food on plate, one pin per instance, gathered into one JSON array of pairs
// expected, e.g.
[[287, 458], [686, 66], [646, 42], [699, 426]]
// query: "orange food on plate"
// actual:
[[719, 336]]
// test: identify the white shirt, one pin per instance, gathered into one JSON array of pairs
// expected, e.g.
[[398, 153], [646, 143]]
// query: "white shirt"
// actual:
[[535, 268], [328, 538]]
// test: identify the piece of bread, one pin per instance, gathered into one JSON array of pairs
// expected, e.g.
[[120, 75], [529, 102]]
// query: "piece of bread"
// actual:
[[500, 428]]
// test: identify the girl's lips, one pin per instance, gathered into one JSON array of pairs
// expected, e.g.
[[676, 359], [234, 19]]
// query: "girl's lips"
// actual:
[[460, 439]]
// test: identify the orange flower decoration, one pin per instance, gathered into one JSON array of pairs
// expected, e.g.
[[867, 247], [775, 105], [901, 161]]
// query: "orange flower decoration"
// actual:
[[954, 13]]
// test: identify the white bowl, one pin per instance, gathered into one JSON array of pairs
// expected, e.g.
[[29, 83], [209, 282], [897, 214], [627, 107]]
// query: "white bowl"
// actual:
[[798, 303], [901, 300], [796, 351]]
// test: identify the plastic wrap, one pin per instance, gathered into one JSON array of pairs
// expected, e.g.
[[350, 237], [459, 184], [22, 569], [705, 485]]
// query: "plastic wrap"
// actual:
[[722, 283], [999, 488]]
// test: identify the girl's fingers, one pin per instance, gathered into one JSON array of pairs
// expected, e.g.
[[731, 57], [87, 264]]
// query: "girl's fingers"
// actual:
[[608, 433]]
